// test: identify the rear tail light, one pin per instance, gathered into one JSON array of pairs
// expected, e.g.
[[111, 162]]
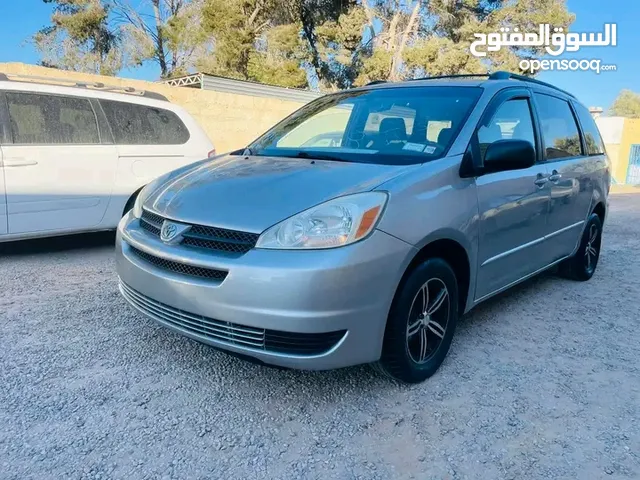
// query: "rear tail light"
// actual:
[[212, 153]]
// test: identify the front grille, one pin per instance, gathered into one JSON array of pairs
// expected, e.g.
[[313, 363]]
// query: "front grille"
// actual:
[[178, 267], [149, 227], [152, 217], [276, 341], [202, 236]]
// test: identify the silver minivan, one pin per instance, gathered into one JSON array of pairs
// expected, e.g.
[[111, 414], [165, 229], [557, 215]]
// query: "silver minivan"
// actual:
[[360, 228]]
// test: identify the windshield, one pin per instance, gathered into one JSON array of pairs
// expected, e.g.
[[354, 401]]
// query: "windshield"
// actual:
[[393, 126]]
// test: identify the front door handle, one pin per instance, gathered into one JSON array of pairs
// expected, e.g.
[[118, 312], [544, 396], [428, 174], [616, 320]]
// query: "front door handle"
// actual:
[[541, 181], [18, 162], [555, 176]]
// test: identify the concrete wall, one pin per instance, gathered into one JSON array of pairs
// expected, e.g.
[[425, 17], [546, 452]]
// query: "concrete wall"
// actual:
[[619, 134], [611, 129], [630, 136], [230, 120]]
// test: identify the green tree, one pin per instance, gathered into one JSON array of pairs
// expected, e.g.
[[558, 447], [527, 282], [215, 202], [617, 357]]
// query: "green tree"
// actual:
[[278, 56], [323, 48], [420, 38], [273, 40], [80, 38], [324, 44], [170, 35], [627, 104], [235, 27]]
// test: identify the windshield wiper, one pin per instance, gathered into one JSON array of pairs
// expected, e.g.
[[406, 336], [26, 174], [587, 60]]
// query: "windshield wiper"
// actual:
[[319, 156]]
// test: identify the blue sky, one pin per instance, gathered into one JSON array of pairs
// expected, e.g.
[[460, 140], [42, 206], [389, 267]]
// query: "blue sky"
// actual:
[[20, 19]]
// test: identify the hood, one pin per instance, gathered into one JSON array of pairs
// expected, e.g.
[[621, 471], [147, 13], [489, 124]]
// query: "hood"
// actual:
[[253, 193]]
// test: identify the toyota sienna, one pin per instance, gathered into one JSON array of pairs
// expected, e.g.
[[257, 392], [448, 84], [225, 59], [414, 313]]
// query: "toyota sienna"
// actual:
[[360, 228]]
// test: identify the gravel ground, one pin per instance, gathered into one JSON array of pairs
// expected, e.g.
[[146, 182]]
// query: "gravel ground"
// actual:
[[542, 382]]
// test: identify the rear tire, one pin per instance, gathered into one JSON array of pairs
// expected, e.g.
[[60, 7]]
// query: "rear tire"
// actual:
[[421, 323], [583, 264]]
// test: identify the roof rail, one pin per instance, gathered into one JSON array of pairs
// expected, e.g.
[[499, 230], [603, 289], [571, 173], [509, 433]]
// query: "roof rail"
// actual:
[[502, 75], [462, 75], [88, 85], [375, 82]]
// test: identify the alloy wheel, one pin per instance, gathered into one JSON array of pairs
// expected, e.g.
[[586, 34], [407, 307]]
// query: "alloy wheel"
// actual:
[[591, 249], [428, 319]]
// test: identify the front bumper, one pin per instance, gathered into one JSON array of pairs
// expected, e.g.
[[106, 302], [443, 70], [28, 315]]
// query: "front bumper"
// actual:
[[344, 292]]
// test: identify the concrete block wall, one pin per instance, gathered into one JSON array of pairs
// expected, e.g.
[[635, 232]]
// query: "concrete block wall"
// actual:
[[619, 134]]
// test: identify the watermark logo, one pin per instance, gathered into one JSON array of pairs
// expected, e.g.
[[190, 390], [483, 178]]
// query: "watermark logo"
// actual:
[[555, 42], [573, 65]]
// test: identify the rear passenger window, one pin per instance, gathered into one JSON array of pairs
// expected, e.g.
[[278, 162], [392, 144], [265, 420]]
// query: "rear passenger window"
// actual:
[[559, 129], [142, 125], [49, 119], [592, 137], [512, 120]]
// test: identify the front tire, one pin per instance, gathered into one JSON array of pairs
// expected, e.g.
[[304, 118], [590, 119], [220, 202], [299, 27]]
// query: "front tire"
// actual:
[[421, 323], [582, 265]]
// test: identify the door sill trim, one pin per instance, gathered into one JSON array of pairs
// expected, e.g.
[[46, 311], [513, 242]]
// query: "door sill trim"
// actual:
[[522, 279], [530, 244]]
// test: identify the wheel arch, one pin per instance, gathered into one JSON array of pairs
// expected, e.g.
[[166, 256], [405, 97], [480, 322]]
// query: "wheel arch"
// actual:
[[601, 210], [130, 200], [454, 249], [599, 202]]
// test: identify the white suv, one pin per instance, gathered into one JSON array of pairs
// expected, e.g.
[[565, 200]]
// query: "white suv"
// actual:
[[73, 158]]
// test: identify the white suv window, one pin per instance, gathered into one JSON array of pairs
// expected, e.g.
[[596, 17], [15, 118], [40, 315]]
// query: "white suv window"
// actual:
[[51, 119], [142, 125]]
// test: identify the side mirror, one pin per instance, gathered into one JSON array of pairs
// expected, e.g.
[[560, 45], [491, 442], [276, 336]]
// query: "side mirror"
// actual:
[[509, 155]]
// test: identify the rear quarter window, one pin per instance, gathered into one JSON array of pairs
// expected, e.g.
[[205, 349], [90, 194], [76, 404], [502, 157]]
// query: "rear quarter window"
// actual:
[[143, 125], [559, 128], [592, 137]]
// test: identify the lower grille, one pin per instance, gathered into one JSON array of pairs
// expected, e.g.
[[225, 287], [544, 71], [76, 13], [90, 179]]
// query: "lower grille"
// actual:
[[276, 341], [178, 267], [301, 343]]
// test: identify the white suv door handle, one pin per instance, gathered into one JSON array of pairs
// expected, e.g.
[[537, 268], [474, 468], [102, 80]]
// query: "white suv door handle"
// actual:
[[18, 162]]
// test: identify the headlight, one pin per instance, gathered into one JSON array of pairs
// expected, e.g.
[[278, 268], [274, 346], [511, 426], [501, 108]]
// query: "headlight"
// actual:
[[335, 223]]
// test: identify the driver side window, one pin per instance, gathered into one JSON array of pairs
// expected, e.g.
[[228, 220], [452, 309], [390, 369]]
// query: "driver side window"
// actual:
[[512, 120]]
